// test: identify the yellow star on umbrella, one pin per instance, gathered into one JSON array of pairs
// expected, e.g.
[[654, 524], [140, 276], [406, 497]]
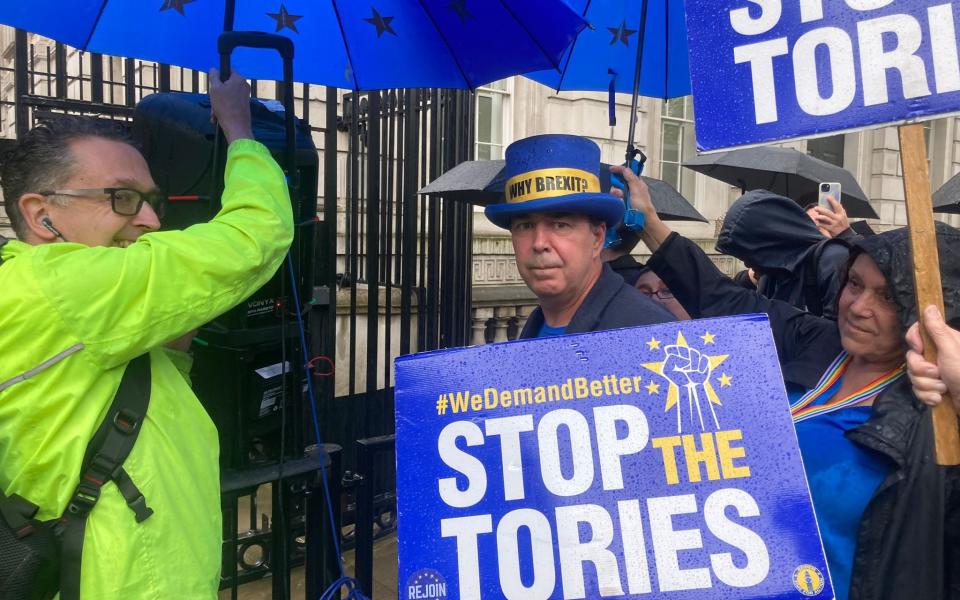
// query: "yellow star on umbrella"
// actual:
[[673, 393], [708, 338], [653, 344]]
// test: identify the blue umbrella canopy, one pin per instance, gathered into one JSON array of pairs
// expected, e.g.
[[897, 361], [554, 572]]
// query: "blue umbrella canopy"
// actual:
[[607, 52], [372, 45], [634, 46]]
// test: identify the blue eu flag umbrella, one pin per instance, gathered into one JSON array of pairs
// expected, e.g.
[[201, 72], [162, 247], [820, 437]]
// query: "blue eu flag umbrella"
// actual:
[[637, 47], [378, 44]]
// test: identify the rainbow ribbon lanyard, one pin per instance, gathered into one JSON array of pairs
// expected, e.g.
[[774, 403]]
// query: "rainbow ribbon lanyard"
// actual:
[[804, 408]]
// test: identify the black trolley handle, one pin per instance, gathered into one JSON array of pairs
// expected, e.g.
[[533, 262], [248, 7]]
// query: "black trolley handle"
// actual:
[[230, 41]]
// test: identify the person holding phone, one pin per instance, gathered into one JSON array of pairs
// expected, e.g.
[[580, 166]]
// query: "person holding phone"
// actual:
[[829, 215]]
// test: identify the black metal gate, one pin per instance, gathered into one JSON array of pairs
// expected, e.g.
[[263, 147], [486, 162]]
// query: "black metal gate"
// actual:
[[396, 241], [404, 254]]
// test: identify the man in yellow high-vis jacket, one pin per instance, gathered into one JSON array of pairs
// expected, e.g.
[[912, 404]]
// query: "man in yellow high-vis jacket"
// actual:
[[88, 286]]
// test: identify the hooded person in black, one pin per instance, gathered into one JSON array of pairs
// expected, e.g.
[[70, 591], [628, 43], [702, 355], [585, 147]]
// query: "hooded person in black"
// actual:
[[793, 260], [889, 515]]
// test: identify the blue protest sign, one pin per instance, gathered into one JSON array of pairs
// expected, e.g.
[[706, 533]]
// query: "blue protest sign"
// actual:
[[767, 70], [655, 460]]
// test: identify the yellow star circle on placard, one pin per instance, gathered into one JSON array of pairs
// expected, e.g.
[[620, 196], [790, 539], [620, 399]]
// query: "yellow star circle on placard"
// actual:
[[653, 344], [673, 393]]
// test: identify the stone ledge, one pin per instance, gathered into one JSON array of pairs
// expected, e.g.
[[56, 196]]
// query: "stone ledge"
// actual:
[[509, 294], [343, 299]]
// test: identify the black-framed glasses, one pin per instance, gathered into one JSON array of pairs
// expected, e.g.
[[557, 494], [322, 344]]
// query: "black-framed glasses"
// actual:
[[123, 201], [663, 294]]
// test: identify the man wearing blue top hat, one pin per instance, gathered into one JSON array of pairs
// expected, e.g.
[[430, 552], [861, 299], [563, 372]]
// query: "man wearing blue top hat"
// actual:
[[558, 218]]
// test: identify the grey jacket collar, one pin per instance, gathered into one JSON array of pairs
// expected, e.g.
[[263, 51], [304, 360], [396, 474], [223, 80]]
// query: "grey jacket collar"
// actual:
[[588, 315]]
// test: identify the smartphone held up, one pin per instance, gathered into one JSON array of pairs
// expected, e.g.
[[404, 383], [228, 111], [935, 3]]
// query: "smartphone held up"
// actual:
[[827, 191]]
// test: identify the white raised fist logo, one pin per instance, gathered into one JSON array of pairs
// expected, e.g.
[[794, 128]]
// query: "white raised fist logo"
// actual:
[[689, 369], [685, 365]]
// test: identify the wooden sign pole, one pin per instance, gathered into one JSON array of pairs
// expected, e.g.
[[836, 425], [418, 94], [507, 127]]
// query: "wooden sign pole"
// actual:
[[926, 272]]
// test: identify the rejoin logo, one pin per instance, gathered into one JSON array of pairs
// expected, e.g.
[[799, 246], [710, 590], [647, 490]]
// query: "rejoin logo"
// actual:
[[426, 584], [808, 580]]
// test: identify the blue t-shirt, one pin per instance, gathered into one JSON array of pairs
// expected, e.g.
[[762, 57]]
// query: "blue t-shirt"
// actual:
[[843, 477], [547, 331]]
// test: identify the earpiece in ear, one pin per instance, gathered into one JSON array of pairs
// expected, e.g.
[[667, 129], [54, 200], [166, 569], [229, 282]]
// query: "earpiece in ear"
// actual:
[[48, 225]]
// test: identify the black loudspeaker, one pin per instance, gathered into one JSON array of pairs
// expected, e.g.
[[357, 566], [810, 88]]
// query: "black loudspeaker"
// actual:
[[238, 357], [242, 389], [179, 144]]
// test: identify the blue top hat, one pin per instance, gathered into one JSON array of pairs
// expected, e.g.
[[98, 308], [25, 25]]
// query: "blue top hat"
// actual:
[[554, 173]]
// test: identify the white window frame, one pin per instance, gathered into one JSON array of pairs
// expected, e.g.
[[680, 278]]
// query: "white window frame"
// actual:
[[686, 127], [504, 90]]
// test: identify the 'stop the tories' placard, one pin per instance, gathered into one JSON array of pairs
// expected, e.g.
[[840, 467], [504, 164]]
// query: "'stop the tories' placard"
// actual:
[[766, 70], [657, 460]]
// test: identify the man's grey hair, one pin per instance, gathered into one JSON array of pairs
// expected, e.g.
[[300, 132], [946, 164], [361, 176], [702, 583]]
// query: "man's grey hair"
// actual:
[[42, 159]]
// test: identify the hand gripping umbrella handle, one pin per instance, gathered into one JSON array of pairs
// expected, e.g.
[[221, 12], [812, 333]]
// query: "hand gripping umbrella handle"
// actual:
[[634, 165]]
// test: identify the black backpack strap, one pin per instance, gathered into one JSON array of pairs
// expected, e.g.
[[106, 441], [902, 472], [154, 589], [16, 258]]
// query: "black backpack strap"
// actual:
[[18, 513], [103, 462], [3, 241]]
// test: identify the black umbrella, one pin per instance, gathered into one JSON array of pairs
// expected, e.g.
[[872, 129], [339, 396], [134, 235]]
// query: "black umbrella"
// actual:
[[863, 228], [783, 171], [947, 198], [482, 182], [478, 182]]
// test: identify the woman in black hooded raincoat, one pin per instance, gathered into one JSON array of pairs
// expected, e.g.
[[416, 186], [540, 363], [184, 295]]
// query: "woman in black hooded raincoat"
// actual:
[[888, 514]]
